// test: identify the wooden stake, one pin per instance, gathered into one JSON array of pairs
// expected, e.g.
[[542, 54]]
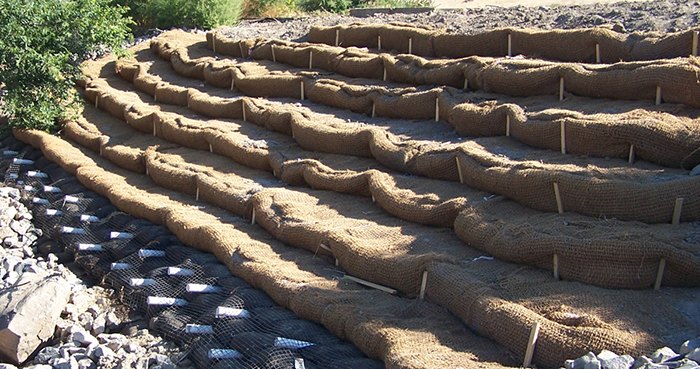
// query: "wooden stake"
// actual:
[[240, 46], [459, 170], [196, 195], [563, 137], [508, 125], [337, 36], [374, 106], [694, 49], [243, 109], [154, 128], [658, 95], [384, 76], [155, 96], [211, 149], [510, 45], [561, 88], [233, 83], [324, 247], [423, 282], [302, 90], [337, 262], [213, 42], [410, 45], [466, 84], [557, 195], [379, 42], [373, 199], [630, 159], [676, 220], [437, 109], [660, 273], [372, 285], [555, 266], [252, 219], [597, 53], [534, 332], [274, 58], [311, 60], [97, 100]]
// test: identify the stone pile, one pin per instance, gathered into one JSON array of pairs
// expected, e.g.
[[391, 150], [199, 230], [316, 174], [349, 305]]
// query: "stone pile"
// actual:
[[47, 312], [687, 357]]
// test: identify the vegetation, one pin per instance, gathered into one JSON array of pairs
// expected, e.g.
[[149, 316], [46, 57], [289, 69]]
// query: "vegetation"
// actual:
[[42, 45], [166, 14]]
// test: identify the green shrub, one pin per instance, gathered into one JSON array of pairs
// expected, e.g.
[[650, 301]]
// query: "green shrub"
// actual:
[[166, 14], [42, 45]]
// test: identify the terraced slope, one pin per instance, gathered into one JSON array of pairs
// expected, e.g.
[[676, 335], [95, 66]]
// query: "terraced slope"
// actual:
[[357, 176]]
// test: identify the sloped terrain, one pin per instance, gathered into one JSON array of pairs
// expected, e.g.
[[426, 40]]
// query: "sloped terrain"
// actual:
[[483, 193]]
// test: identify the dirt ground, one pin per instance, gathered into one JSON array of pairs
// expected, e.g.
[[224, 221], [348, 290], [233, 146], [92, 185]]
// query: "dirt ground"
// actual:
[[480, 15]]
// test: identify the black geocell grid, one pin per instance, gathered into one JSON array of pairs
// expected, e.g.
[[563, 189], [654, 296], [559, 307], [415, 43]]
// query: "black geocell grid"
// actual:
[[190, 297]]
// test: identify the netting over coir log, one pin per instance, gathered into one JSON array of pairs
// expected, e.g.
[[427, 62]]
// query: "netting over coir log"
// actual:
[[667, 139], [496, 316], [579, 45], [228, 190], [527, 183], [640, 80]]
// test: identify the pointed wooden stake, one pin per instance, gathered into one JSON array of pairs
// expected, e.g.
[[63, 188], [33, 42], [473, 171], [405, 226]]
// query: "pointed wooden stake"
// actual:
[[658, 95], [660, 273], [466, 84], [233, 83], [423, 283], [196, 195], [557, 195], [563, 137], [630, 159], [97, 101], [379, 42], [555, 266], [154, 128], [459, 170], [508, 125], [410, 45], [213, 42], [677, 209], [274, 58], [561, 88], [374, 107], [252, 219], [311, 59], [384, 76], [372, 285], [510, 45], [437, 109], [302, 90], [534, 333], [337, 36], [597, 53], [211, 149], [243, 109]]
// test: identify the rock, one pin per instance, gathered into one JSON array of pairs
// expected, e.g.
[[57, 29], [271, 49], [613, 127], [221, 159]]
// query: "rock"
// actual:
[[20, 226], [588, 361], [695, 171], [64, 363], [98, 326], [83, 338], [112, 321], [683, 363], [694, 355], [7, 366], [46, 354], [663, 354], [606, 355], [38, 366], [617, 362], [113, 341], [29, 314], [86, 363], [85, 320], [101, 351], [641, 361], [689, 345]]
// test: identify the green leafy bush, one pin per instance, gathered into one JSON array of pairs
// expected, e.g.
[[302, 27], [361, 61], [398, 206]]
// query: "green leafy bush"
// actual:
[[165, 14], [42, 45]]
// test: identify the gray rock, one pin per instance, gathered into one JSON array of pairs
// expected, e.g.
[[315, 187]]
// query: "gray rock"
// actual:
[[7, 366], [29, 314], [112, 321], [98, 326], [101, 351], [86, 363], [20, 226], [695, 171], [46, 354], [655, 366], [8, 214], [641, 361], [64, 363], [38, 366], [689, 346], [694, 355], [617, 362], [683, 363], [588, 361], [663, 354], [83, 338]]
